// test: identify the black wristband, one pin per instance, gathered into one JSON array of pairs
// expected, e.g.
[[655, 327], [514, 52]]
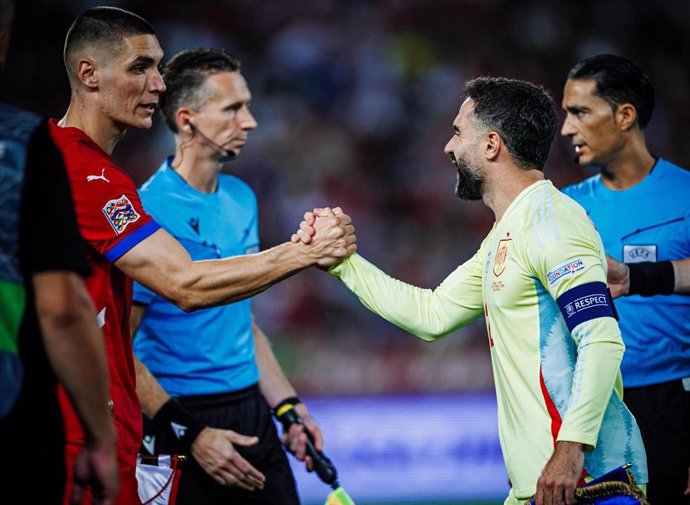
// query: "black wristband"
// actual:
[[291, 400], [651, 278], [178, 425]]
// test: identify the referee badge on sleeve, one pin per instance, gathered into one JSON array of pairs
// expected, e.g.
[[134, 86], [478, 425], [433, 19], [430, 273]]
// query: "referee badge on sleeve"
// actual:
[[119, 213]]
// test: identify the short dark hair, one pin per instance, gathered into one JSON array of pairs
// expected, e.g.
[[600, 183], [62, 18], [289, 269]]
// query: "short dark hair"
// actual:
[[185, 75], [523, 114], [103, 26], [618, 81]]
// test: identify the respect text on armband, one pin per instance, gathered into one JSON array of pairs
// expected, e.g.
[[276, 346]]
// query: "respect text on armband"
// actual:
[[584, 303]]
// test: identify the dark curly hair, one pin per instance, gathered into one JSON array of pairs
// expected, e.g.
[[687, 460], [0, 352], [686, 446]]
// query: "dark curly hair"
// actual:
[[522, 113]]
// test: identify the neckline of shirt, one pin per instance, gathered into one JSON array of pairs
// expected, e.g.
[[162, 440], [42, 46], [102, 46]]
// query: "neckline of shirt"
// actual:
[[182, 182], [647, 179]]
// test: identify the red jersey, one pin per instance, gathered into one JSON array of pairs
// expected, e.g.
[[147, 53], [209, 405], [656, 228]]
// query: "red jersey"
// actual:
[[111, 220]]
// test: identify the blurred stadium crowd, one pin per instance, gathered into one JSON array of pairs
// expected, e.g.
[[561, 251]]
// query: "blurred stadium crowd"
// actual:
[[354, 101]]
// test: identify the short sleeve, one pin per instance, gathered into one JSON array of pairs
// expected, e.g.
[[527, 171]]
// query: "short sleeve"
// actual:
[[49, 236], [110, 214]]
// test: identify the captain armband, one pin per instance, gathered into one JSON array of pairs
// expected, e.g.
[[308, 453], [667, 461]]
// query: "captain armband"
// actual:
[[173, 419], [649, 278], [586, 302]]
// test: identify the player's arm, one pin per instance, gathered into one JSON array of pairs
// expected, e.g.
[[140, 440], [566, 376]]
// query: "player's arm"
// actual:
[[572, 270], [212, 448], [161, 264], [53, 257], [276, 389], [428, 314], [74, 346], [648, 278]]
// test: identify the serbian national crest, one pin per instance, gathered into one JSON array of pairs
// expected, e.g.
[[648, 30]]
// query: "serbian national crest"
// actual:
[[120, 213], [501, 256]]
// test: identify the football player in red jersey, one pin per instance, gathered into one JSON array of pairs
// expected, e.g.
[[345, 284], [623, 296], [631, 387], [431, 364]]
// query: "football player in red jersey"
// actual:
[[112, 58]]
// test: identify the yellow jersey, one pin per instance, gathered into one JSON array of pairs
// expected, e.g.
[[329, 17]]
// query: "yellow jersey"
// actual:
[[539, 278]]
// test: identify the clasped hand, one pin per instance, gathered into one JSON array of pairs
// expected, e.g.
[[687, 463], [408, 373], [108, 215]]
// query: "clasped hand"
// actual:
[[329, 233]]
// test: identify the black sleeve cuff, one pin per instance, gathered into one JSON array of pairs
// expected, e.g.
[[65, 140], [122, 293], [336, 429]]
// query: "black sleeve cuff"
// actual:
[[174, 420], [651, 278]]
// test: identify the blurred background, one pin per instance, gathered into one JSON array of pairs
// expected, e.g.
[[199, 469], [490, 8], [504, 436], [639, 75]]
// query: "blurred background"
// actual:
[[355, 101]]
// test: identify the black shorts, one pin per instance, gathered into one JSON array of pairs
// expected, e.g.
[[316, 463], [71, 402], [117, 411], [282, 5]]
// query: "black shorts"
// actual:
[[662, 412], [247, 413]]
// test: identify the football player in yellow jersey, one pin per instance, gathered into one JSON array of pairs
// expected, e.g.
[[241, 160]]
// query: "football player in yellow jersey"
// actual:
[[539, 278]]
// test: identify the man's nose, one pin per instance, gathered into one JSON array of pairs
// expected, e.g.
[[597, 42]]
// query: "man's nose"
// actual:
[[567, 129]]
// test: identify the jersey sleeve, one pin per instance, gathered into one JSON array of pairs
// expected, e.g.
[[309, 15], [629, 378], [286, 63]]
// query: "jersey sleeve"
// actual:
[[49, 236], [572, 269], [428, 314], [110, 214]]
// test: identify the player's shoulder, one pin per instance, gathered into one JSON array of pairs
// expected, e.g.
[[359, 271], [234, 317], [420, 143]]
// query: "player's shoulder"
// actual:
[[554, 218], [548, 202], [91, 168], [87, 163]]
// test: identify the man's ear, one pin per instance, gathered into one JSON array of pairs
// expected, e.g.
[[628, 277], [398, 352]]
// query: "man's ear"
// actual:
[[184, 118], [87, 72], [493, 144], [626, 116]]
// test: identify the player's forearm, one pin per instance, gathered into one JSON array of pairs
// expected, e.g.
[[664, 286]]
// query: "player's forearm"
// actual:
[[597, 375], [162, 265], [74, 345], [425, 313], [217, 282], [273, 383]]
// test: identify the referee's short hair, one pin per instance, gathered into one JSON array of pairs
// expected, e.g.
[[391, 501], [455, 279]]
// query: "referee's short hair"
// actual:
[[618, 81], [185, 75], [101, 28], [522, 113]]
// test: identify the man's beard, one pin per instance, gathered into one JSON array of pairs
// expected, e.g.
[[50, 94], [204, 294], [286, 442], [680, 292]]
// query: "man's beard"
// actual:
[[470, 184]]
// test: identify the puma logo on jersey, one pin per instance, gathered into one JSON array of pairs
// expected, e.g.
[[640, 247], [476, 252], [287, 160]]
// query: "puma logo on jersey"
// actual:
[[90, 178]]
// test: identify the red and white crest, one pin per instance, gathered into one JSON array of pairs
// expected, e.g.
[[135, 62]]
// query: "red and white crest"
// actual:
[[501, 256]]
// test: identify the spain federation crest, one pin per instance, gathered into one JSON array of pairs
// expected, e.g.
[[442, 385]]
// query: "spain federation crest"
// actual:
[[501, 256], [120, 213]]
